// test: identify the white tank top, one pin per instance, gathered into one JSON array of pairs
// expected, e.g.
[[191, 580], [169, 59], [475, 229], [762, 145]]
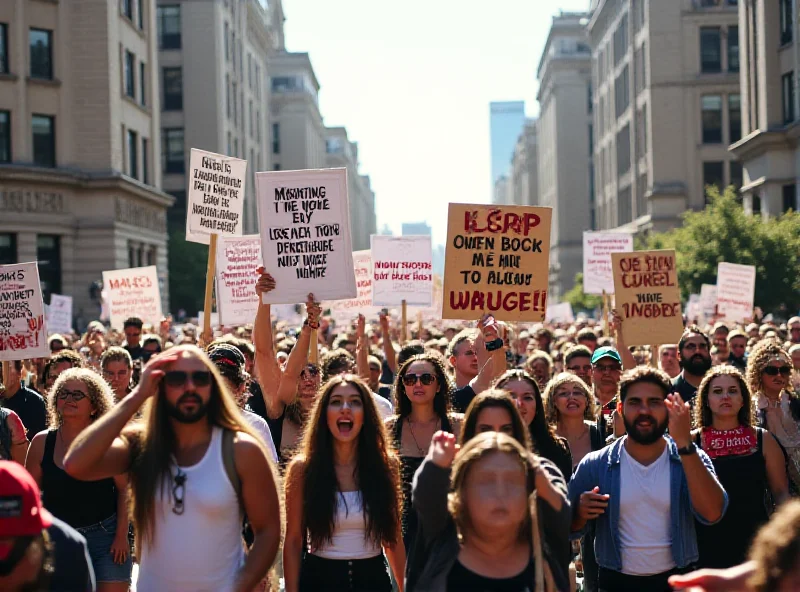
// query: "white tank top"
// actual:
[[349, 539], [201, 549]]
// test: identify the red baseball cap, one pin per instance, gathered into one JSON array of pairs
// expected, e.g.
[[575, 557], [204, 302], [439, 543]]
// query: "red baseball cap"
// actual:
[[21, 511]]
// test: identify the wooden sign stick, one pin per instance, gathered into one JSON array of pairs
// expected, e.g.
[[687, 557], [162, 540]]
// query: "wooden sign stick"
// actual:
[[313, 349], [208, 332], [404, 323], [605, 314]]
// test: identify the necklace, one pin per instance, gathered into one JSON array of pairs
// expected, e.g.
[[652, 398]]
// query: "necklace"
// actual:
[[420, 450]]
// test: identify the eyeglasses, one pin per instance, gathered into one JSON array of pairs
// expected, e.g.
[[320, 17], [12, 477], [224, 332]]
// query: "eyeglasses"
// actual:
[[775, 370], [175, 378], [569, 394], [586, 368], [178, 491], [605, 368], [309, 372], [411, 379], [76, 395]]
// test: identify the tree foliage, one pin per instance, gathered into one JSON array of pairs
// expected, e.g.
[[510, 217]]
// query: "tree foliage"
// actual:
[[187, 277], [723, 232], [579, 300]]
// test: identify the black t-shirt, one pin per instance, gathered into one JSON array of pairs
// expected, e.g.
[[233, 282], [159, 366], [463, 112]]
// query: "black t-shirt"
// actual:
[[72, 566], [30, 407], [462, 398], [256, 402], [461, 579], [684, 389], [137, 353]]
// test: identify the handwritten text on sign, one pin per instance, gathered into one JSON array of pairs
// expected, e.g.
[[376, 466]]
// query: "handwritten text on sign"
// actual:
[[305, 234], [647, 297], [22, 326], [133, 293], [343, 311], [736, 286], [238, 257], [402, 270], [216, 196], [497, 261], [597, 249]]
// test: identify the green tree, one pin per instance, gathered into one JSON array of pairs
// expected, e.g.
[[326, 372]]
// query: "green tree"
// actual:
[[579, 300], [187, 273], [723, 232]]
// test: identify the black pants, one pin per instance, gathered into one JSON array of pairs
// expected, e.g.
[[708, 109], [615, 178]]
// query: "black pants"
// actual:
[[614, 581], [356, 575]]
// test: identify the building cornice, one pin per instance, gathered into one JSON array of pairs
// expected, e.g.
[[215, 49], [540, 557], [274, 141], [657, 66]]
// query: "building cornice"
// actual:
[[760, 142]]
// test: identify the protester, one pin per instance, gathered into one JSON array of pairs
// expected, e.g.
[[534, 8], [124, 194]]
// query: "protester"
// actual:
[[540, 366], [194, 465], [654, 487], [748, 462], [578, 361], [694, 357], [587, 338], [463, 358], [491, 362], [606, 374], [343, 497], [668, 359], [58, 363], [97, 509], [340, 361], [116, 365], [793, 329], [570, 408], [37, 551], [132, 327], [151, 345], [26, 403], [737, 344], [495, 410]]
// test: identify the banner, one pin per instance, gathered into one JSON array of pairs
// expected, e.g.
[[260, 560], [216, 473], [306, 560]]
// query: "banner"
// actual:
[[597, 249], [497, 260], [304, 219], [133, 293], [560, 313], [708, 301], [237, 261], [59, 314], [736, 289], [647, 297], [23, 332], [344, 311], [215, 196], [402, 270]]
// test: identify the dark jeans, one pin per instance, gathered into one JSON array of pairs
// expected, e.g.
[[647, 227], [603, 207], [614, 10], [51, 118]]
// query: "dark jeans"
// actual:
[[342, 575], [614, 581]]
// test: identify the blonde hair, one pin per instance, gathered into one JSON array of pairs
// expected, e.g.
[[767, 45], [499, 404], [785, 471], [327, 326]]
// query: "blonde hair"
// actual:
[[550, 409], [99, 392], [762, 354]]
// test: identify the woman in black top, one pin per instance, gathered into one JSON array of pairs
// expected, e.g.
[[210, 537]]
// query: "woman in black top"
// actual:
[[748, 461], [96, 509]]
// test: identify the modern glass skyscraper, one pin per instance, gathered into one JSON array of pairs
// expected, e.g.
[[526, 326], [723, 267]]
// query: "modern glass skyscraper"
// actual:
[[506, 120]]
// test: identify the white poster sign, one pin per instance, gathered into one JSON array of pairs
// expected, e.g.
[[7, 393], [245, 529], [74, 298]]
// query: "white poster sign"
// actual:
[[59, 314], [597, 249], [708, 301], [402, 270], [23, 331], [560, 313], [201, 318], [694, 308], [736, 289], [133, 293], [215, 196], [237, 261], [344, 311], [304, 218]]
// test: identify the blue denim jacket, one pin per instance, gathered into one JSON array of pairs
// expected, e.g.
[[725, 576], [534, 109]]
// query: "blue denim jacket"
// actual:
[[602, 469]]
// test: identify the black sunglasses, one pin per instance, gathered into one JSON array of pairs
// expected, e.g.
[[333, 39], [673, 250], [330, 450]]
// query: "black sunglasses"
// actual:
[[411, 379], [774, 370], [175, 378]]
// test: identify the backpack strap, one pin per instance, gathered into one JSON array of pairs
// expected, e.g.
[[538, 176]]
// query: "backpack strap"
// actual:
[[230, 463]]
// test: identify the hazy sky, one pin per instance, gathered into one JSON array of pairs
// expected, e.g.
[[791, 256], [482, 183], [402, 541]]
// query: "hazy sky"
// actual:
[[412, 82]]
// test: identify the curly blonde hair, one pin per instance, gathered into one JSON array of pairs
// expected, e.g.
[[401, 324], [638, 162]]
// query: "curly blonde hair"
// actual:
[[100, 395], [762, 354], [702, 411], [551, 412], [776, 548]]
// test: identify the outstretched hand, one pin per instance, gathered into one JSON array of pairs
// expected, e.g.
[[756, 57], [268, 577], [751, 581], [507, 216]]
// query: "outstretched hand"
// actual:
[[314, 312], [443, 449], [680, 420], [154, 372], [265, 283]]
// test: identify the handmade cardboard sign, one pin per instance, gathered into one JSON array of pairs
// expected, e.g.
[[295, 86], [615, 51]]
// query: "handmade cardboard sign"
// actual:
[[23, 332], [59, 314], [497, 261], [133, 293], [238, 257], [736, 289], [402, 270], [344, 311], [597, 249], [647, 297]]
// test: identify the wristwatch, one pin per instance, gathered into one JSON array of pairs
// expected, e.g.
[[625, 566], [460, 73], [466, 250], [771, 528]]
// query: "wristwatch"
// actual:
[[495, 344], [687, 450]]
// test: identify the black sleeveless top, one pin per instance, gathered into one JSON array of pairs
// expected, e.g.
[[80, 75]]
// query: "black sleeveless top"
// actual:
[[78, 503], [744, 478]]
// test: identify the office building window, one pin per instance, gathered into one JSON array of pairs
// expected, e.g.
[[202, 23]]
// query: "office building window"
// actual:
[[8, 248], [713, 175], [624, 206], [235, 103], [589, 99], [172, 147], [737, 175], [789, 198], [258, 126], [142, 87], [145, 161], [786, 21], [621, 92], [41, 48], [44, 140], [787, 85], [733, 49], [233, 49], [276, 166], [276, 138], [621, 40], [710, 50], [230, 145], [140, 14], [4, 48], [169, 26], [130, 77], [624, 150], [250, 118], [735, 117], [173, 88], [249, 71], [5, 136], [227, 44], [127, 8], [712, 119], [48, 255], [236, 147], [258, 81], [228, 95], [133, 156]]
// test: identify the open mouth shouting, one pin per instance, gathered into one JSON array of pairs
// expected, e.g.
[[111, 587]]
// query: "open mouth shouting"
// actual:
[[345, 426]]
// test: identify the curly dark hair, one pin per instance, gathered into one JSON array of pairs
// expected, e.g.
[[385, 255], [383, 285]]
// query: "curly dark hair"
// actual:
[[377, 471], [441, 401], [702, 411], [336, 361], [494, 398], [644, 374]]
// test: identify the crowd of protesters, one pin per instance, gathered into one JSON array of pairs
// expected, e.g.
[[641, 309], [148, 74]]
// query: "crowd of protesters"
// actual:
[[466, 456]]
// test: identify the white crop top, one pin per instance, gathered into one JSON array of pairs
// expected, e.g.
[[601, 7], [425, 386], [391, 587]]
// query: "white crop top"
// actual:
[[349, 539]]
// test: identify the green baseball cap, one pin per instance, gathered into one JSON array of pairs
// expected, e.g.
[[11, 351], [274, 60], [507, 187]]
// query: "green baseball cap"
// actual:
[[605, 352]]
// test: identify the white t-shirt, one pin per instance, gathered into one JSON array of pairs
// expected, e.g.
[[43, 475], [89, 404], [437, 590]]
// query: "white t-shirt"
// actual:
[[262, 427], [385, 407], [645, 534]]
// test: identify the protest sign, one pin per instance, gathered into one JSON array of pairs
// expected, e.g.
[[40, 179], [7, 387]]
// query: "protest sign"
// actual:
[[23, 331], [694, 308], [133, 293], [59, 314], [304, 219], [402, 270], [560, 313], [736, 288], [497, 261], [647, 297], [213, 321], [238, 257], [215, 196], [597, 249], [433, 312], [708, 301], [344, 311]]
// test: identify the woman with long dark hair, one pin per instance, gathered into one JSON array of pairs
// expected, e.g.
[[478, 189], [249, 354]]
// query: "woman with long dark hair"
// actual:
[[570, 408], [422, 400], [343, 500], [525, 391]]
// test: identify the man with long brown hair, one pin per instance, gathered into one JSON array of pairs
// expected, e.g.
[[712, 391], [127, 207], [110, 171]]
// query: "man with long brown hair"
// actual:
[[195, 465]]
